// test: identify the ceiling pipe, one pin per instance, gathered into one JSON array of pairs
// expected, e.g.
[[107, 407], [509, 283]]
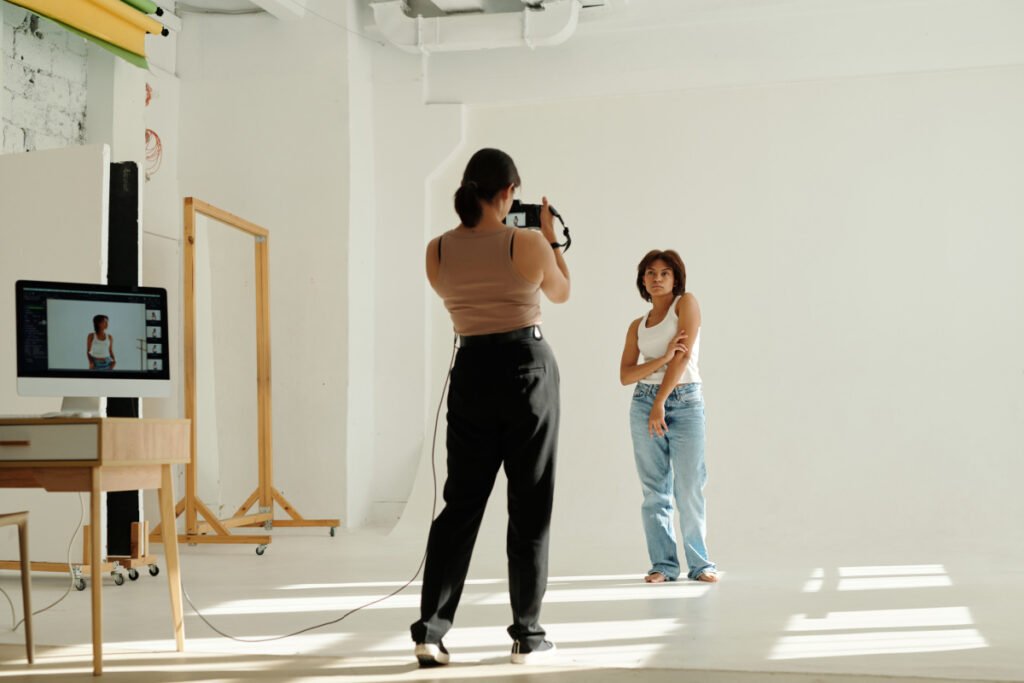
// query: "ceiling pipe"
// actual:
[[552, 25]]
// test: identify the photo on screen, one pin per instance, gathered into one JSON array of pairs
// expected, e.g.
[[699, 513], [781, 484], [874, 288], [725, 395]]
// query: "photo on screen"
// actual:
[[153, 314], [153, 333], [73, 344]]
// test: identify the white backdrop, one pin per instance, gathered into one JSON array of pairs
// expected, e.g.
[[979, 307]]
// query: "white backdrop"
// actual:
[[856, 247]]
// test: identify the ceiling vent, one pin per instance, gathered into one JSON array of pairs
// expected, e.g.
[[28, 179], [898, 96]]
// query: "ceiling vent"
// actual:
[[549, 24]]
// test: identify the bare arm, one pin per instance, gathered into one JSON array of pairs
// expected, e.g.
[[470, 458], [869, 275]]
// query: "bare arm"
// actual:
[[538, 262], [542, 264], [689, 318], [88, 350], [433, 263], [556, 282], [113, 361], [629, 371], [556, 272]]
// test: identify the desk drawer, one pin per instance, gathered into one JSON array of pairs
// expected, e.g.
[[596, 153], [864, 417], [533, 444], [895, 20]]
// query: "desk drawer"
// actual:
[[19, 443]]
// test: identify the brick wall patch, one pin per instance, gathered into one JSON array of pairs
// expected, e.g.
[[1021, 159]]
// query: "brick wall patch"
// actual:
[[43, 103]]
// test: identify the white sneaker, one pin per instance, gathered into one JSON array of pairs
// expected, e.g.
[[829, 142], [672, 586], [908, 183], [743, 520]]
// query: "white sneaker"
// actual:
[[430, 654], [538, 655]]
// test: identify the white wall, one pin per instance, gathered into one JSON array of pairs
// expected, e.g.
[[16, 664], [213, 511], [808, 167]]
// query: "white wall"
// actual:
[[670, 123], [361, 304], [264, 134], [856, 246], [227, 424], [411, 140]]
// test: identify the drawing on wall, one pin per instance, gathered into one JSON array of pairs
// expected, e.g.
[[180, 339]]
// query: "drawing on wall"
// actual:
[[154, 146]]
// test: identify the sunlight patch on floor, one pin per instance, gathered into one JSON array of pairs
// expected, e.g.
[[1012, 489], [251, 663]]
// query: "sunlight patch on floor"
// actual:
[[876, 643], [873, 632], [888, 618], [410, 600]]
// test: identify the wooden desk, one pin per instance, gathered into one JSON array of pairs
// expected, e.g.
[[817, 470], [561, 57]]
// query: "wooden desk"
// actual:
[[95, 455]]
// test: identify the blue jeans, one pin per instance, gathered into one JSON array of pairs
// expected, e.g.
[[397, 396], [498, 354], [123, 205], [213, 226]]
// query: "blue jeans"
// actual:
[[672, 466]]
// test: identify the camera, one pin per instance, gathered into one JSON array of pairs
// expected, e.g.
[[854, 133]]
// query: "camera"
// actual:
[[523, 215]]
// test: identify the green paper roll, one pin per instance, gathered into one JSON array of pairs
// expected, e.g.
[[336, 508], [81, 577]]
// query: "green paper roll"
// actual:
[[127, 56], [144, 6]]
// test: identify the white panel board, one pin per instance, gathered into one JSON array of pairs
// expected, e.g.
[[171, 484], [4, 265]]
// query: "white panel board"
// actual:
[[53, 226]]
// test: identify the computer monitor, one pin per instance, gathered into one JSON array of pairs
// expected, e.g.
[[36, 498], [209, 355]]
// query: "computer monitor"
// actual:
[[86, 340]]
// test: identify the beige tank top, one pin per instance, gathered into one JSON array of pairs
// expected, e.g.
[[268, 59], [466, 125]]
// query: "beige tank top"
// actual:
[[481, 289]]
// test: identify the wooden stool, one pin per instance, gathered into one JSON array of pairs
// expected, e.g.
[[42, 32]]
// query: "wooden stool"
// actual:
[[21, 520]]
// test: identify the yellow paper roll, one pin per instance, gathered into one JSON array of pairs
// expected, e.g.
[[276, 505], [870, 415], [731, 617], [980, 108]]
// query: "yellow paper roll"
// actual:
[[91, 19], [131, 15]]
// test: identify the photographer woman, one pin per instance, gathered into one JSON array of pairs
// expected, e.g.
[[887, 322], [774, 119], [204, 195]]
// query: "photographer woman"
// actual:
[[667, 418], [503, 404]]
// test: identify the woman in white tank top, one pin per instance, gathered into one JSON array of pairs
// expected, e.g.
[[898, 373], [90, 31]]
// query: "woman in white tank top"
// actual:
[[99, 346], [667, 418]]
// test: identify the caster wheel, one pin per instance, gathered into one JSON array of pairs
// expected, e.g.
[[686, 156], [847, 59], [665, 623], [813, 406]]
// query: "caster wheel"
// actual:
[[260, 549], [153, 570], [133, 574], [80, 584], [118, 578], [332, 532]]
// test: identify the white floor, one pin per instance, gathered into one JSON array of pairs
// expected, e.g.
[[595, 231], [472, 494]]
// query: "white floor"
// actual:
[[926, 620]]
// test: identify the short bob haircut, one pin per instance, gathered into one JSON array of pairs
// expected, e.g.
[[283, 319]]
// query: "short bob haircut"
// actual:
[[674, 262]]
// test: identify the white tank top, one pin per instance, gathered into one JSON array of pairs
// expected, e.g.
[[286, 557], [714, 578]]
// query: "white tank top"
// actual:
[[654, 341], [100, 347]]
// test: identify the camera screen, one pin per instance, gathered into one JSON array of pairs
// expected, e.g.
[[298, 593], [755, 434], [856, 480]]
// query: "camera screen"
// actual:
[[523, 215], [516, 219]]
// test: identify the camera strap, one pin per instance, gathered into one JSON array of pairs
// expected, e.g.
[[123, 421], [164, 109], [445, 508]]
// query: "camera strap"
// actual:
[[565, 231]]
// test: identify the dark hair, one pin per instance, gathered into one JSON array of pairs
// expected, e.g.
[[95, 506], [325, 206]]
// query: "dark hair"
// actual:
[[670, 257], [488, 172], [96, 320]]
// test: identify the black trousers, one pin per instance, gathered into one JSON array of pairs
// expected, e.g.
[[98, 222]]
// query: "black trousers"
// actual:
[[503, 410]]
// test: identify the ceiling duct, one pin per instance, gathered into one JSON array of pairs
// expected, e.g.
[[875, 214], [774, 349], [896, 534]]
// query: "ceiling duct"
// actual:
[[552, 25], [460, 5]]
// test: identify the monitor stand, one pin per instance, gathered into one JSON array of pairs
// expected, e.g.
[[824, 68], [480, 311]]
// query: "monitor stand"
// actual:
[[80, 406]]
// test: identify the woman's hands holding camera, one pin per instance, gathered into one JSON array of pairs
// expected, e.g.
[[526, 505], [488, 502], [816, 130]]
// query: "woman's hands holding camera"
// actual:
[[547, 221]]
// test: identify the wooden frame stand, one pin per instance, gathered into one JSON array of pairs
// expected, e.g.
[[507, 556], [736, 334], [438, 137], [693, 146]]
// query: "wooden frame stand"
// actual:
[[212, 529]]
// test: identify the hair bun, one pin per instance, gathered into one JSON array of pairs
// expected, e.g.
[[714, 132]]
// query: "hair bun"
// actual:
[[470, 185]]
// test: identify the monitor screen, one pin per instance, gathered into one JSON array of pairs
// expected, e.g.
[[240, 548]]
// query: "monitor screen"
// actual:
[[91, 340]]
